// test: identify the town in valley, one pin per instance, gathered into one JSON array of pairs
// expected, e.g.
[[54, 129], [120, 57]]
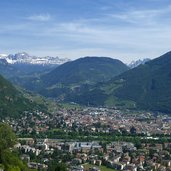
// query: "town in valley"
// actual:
[[89, 138]]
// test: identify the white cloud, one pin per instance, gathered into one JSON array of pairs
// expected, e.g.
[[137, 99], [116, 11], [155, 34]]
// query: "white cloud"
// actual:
[[142, 17], [40, 17], [102, 36]]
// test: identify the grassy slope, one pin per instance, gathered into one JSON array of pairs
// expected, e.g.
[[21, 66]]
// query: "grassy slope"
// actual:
[[12, 101]]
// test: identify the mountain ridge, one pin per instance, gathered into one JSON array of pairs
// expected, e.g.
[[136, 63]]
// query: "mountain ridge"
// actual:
[[25, 58], [147, 86], [75, 75], [87, 66]]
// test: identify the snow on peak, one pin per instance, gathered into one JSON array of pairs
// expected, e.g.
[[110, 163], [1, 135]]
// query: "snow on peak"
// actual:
[[134, 64], [3, 55], [26, 58]]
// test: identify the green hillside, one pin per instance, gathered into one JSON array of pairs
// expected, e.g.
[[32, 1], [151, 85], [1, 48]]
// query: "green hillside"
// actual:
[[70, 77], [85, 70], [77, 75], [147, 86], [12, 101]]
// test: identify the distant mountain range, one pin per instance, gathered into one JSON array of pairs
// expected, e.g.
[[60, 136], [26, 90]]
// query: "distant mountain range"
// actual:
[[74, 75], [99, 81], [19, 66], [24, 58], [147, 86]]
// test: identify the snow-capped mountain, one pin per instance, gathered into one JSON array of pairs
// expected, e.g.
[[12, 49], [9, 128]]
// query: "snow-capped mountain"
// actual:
[[28, 59], [134, 64], [3, 55]]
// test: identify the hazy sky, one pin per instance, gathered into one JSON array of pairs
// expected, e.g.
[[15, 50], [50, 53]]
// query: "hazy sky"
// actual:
[[122, 29]]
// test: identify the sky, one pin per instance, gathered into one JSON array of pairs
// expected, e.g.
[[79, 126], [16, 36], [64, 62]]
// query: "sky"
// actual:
[[122, 29]]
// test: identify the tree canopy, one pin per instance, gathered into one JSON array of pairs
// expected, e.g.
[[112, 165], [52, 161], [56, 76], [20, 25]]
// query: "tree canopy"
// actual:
[[7, 137], [9, 159]]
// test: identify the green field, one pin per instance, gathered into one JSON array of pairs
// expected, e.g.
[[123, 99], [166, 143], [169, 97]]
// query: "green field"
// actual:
[[102, 168]]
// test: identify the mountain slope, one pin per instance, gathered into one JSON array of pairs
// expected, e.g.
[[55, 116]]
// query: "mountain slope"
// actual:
[[12, 101], [22, 73], [77, 75], [74, 76], [147, 86], [85, 70], [20, 65], [7, 70], [14, 71]]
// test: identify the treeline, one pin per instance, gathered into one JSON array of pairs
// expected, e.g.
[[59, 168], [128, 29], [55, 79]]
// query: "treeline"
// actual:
[[101, 136]]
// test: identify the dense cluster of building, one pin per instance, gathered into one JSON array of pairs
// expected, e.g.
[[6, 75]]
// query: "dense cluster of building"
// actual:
[[120, 155], [116, 155], [93, 120]]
